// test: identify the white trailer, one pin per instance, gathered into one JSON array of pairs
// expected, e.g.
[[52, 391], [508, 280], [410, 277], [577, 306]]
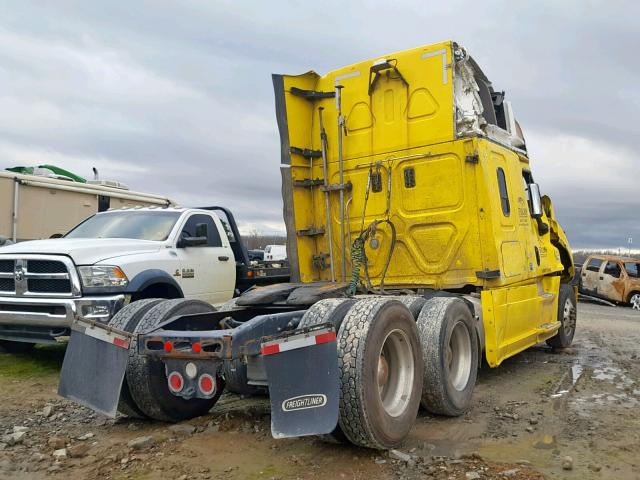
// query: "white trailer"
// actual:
[[35, 207]]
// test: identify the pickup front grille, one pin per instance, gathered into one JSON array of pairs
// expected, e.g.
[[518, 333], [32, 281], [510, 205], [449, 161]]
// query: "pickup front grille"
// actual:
[[54, 285], [37, 275], [45, 266], [7, 285]]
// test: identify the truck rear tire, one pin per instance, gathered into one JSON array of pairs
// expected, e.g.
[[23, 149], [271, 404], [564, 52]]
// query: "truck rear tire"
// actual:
[[16, 347], [329, 310], [236, 380], [450, 354], [567, 315], [380, 373], [414, 303], [127, 319], [147, 378]]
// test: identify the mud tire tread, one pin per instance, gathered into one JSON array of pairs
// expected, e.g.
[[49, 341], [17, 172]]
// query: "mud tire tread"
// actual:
[[431, 321], [126, 319], [560, 340], [354, 420]]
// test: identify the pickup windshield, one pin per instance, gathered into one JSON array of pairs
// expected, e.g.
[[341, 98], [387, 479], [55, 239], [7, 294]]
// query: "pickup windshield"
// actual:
[[155, 225]]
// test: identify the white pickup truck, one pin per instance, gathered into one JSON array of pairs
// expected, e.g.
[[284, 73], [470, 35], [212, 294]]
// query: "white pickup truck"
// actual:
[[117, 257]]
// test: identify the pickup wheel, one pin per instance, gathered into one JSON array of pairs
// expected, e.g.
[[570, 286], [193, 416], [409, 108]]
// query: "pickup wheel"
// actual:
[[147, 378], [567, 316], [380, 373], [127, 319], [16, 347], [450, 354]]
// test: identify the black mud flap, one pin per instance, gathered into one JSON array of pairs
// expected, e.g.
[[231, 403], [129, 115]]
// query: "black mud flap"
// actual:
[[93, 369], [302, 371]]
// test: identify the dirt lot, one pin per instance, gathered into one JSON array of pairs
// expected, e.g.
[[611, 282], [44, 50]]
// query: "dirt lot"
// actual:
[[527, 417]]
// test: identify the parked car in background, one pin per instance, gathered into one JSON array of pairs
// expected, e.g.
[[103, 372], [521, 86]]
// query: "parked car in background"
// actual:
[[611, 277], [275, 252]]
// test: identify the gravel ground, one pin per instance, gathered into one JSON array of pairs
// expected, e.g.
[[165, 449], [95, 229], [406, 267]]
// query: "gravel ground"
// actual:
[[542, 414]]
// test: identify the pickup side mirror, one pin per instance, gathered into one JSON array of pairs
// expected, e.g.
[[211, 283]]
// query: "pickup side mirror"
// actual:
[[535, 201], [191, 242]]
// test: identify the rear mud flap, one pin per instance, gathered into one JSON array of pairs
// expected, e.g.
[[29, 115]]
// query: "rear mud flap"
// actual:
[[302, 371], [93, 369]]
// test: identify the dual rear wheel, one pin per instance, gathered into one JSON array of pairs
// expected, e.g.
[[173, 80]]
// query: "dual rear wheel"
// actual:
[[391, 362]]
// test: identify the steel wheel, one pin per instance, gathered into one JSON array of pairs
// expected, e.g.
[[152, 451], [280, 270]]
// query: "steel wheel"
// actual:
[[396, 369], [458, 356], [635, 301], [569, 316]]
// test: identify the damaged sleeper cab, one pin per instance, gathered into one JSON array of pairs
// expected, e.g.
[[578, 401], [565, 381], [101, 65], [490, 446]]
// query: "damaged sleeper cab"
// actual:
[[418, 242]]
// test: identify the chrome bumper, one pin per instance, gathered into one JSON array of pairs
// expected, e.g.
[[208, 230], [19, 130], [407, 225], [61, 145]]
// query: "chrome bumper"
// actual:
[[58, 312]]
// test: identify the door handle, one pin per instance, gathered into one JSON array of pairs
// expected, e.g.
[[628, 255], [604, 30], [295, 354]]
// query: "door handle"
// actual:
[[601, 278], [223, 258]]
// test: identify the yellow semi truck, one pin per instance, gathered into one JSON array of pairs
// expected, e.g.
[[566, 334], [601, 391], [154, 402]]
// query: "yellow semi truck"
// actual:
[[418, 240]]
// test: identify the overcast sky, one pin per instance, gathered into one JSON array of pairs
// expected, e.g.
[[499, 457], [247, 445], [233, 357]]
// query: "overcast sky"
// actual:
[[176, 98]]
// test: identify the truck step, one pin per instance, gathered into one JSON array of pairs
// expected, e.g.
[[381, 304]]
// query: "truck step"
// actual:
[[308, 182], [310, 232], [306, 152]]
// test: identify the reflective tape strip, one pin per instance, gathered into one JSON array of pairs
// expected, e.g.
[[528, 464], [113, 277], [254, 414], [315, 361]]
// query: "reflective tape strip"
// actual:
[[104, 336], [346, 75], [298, 341]]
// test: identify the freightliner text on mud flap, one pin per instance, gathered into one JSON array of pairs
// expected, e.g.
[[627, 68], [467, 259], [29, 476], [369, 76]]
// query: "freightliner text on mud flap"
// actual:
[[309, 405]]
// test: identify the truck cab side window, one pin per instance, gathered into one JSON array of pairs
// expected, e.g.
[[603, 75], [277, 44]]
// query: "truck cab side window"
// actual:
[[613, 269], [594, 265], [190, 229], [504, 195]]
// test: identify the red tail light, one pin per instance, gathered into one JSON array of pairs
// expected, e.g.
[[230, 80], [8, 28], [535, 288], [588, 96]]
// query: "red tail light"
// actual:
[[207, 384], [168, 346], [196, 347], [176, 382]]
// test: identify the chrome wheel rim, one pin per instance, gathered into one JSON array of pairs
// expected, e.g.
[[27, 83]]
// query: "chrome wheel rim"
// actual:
[[395, 373], [458, 356], [569, 317]]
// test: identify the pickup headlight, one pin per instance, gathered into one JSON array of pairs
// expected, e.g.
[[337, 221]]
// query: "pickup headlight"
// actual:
[[102, 277]]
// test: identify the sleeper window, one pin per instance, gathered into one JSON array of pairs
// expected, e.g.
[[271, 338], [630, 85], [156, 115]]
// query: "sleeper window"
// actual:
[[504, 195]]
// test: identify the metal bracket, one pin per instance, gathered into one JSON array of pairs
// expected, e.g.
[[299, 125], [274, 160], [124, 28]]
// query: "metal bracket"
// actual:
[[306, 152], [310, 232], [488, 274], [475, 158], [336, 187], [319, 261], [308, 182], [311, 94]]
